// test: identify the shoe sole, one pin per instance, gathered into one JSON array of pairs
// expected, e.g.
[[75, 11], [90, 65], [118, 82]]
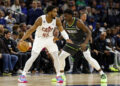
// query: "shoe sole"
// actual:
[[22, 81], [59, 81], [103, 81]]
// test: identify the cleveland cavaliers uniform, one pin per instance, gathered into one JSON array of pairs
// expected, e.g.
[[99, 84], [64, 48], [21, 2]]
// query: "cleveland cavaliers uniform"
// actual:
[[44, 36]]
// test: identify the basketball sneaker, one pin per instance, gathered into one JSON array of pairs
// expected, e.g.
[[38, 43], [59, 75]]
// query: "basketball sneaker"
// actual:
[[63, 77], [22, 79], [103, 78], [59, 79]]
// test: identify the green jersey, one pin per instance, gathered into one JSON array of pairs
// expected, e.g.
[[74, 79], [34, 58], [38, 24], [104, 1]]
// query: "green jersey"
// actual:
[[75, 34]]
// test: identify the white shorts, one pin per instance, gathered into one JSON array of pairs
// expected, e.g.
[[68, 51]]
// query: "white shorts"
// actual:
[[40, 43]]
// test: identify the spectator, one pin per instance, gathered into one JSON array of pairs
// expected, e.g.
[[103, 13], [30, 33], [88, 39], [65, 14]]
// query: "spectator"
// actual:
[[118, 42], [23, 28], [23, 8], [39, 5], [16, 28], [16, 7], [10, 21], [80, 3], [104, 56], [96, 32], [9, 61], [1, 31], [7, 6], [33, 13], [2, 19]]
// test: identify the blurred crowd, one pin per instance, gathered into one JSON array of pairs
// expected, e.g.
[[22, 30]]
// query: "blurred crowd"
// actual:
[[103, 19]]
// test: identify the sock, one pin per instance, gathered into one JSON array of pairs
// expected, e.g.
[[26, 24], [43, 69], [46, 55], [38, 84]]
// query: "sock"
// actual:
[[24, 73], [101, 72]]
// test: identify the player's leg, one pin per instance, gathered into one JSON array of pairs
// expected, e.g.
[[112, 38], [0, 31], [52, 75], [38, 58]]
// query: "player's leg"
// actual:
[[94, 64], [34, 54], [63, 55], [67, 50], [53, 50]]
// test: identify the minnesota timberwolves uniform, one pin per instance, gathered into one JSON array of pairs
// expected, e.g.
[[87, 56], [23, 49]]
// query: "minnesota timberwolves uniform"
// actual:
[[76, 35]]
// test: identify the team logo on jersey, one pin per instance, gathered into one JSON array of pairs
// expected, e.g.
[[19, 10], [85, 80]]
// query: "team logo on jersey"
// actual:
[[72, 31], [46, 31]]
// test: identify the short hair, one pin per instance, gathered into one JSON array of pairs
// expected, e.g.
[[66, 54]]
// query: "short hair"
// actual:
[[7, 31], [15, 27], [82, 13], [50, 8], [68, 11], [15, 33], [21, 25]]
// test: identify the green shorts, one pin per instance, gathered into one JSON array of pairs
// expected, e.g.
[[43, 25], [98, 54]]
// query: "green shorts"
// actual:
[[72, 48]]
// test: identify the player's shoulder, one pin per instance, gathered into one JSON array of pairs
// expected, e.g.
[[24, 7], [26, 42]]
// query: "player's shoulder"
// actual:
[[41, 17], [38, 22]]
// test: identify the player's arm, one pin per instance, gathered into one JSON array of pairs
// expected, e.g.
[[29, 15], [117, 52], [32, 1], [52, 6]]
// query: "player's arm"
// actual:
[[82, 26], [37, 23], [63, 32]]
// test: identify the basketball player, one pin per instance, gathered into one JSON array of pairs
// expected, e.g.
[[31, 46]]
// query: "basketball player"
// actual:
[[44, 27], [80, 36]]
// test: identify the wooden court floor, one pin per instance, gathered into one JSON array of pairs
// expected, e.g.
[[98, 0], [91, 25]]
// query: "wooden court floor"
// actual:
[[72, 80]]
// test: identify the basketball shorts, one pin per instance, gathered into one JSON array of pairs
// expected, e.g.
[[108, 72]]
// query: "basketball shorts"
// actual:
[[72, 48], [41, 42]]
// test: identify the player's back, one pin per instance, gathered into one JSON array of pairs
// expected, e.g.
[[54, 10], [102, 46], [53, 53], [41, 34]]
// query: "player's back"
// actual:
[[46, 29]]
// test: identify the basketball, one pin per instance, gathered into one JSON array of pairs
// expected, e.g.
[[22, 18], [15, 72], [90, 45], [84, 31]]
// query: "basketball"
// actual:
[[23, 46]]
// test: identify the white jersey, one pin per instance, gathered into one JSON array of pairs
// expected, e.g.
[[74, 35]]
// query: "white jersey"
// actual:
[[46, 29]]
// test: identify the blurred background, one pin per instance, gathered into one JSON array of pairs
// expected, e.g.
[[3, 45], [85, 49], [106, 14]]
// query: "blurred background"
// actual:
[[103, 19]]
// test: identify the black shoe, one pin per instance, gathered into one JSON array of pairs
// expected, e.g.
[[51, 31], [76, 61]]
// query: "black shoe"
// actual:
[[13, 73]]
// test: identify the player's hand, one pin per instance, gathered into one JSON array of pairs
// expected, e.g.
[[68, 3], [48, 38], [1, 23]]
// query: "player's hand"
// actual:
[[69, 41], [83, 46], [20, 41]]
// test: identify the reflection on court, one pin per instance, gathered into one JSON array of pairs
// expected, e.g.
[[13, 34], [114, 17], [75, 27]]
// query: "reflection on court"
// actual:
[[72, 80]]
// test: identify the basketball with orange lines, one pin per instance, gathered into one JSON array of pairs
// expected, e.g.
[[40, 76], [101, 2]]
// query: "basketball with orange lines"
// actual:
[[23, 46]]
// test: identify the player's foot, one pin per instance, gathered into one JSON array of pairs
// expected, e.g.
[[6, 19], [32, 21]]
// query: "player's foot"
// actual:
[[63, 77], [59, 79], [22, 79], [103, 78], [113, 69]]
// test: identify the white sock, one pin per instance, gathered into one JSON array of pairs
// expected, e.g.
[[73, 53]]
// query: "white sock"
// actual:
[[63, 55], [30, 62], [101, 72]]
